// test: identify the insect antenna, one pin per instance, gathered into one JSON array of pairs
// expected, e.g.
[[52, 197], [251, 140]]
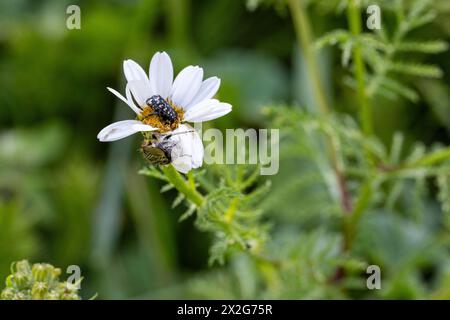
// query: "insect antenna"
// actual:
[[168, 136]]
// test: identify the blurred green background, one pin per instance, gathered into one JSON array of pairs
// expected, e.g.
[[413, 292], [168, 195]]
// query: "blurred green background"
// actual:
[[66, 198]]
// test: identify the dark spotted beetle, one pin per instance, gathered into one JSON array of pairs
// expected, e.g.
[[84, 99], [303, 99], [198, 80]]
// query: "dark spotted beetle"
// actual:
[[162, 109]]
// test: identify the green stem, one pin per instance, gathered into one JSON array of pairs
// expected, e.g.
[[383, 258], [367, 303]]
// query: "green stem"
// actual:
[[365, 192], [351, 221], [354, 19], [304, 37], [427, 160], [182, 185]]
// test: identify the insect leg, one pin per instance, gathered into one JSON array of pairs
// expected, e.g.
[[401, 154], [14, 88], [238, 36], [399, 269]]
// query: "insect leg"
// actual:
[[168, 136]]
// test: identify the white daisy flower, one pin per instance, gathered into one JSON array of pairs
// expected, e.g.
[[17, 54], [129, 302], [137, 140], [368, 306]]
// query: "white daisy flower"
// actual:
[[161, 103], [182, 147]]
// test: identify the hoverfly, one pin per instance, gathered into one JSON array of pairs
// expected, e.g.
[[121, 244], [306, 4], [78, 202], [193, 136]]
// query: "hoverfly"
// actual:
[[158, 149]]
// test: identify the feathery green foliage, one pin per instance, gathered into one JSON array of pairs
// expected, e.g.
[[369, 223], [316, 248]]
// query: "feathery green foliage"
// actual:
[[228, 211], [385, 50]]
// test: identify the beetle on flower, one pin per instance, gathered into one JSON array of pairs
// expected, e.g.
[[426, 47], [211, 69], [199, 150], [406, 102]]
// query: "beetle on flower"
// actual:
[[161, 103]]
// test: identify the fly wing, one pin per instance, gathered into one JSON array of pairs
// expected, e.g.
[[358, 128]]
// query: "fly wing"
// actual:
[[155, 155]]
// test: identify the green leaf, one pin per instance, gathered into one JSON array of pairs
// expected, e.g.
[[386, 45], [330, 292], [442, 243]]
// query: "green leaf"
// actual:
[[399, 89], [153, 172], [431, 46], [332, 38], [416, 69]]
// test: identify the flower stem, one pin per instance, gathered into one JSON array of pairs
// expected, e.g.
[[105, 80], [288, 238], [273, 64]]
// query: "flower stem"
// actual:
[[351, 221], [354, 19], [365, 192], [304, 37], [182, 185]]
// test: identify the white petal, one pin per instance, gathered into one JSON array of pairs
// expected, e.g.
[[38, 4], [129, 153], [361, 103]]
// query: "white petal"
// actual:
[[122, 129], [182, 164], [198, 151], [138, 81], [207, 110], [182, 128], [188, 151], [121, 97], [140, 91], [161, 74], [207, 90], [143, 127], [130, 99], [186, 85], [192, 143], [134, 71]]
